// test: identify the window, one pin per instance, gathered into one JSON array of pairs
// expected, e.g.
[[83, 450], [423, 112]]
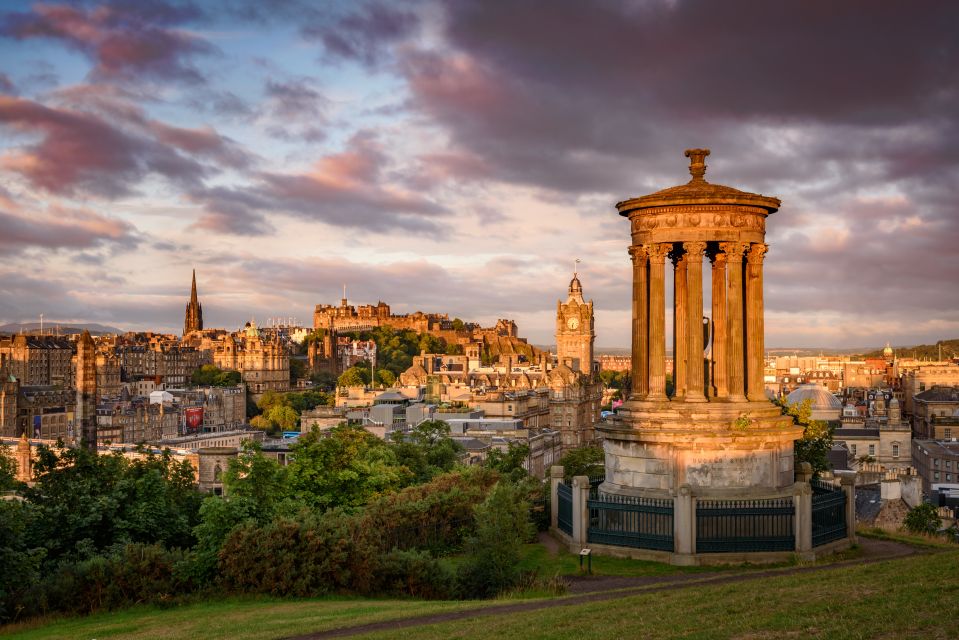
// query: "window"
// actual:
[[948, 464], [947, 434], [935, 462], [948, 477], [935, 476], [872, 449], [895, 450], [852, 449]]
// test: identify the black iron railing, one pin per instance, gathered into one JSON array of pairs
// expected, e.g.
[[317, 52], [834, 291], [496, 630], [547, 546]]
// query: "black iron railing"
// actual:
[[724, 526], [564, 498], [626, 521], [828, 513]]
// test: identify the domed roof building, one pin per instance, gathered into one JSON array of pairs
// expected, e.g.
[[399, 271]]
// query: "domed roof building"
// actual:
[[825, 406]]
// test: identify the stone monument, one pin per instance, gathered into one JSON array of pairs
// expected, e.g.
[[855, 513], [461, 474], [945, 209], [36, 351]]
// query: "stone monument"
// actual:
[[717, 433]]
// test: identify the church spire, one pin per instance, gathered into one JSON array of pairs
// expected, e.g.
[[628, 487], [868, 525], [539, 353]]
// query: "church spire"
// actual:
[[193, 319]]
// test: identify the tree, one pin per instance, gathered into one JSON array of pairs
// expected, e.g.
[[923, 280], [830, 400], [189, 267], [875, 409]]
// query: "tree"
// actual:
[[510, 463], [458, 325], [923, 518], [427, 450], [816, 440], [385, 377], [502, 527], [212, 376], [252, 475], [344, 467], [353, 377], [583, 461], [8, 470], [298, 369]]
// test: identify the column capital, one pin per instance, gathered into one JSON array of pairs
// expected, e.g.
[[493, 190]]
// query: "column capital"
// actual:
[[695, 248], [677, 254], [756, 253], [639, 253], [716, 256], [734, 249], [659, 250]]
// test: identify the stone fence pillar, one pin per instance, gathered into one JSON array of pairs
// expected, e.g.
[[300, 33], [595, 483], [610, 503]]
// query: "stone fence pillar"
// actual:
[[803, 472], [684, 525], [555, 478], [580, 510], [847, 480], [802, 522]]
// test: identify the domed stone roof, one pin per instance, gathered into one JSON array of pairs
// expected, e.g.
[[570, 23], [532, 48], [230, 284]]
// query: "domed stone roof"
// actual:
[[698, 191], [819, 398]]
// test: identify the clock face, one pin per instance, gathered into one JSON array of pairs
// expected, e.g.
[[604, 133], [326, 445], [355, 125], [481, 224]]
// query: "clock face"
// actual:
[[572, 323]]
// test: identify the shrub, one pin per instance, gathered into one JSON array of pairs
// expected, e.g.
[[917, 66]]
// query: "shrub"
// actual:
[[414, 573], [502, 526], [923, 518]]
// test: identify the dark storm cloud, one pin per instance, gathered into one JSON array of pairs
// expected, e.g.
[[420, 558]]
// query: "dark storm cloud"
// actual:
[[127, 41]]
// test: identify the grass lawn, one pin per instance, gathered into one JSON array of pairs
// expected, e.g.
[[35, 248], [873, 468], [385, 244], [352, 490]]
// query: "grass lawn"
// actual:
[[233, 618], [914, 597]]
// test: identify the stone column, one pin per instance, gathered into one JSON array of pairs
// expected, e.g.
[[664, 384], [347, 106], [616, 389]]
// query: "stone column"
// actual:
[[640, 361], [580, 512], [695, 379], [755, 356], [556, 473], [657, 321], [680, 321], [719, 374], [734, 316]]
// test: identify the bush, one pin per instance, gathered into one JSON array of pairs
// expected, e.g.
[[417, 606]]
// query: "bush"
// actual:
[[414, 573], [134, 573], [923, 518], [502, 526]]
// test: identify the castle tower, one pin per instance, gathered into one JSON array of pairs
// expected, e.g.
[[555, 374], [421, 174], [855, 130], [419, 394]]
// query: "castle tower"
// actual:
[[575, 332], [193, 320], [718, 434], [86, 386]]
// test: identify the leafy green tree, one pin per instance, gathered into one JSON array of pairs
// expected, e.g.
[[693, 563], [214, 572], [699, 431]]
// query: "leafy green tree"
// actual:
[[511, 462], [385, 377], [283, 417], [218, 517], [343, 467], [493, 553], [298, 369], [428, 450], [8, 470], [20, 556], [253, 475], [816, 440], [305, 400], [583, 461], [458, 325], [212, 376], [270, 399], [923, 518], [353, 377], [83, 503]]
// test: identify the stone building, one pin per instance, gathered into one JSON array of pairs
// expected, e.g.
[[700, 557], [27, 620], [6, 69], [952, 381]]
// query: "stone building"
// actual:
[[926, 376], [936, 413], [718, 434], [193, 318], [264, 365], [937, 463], [38, 360]]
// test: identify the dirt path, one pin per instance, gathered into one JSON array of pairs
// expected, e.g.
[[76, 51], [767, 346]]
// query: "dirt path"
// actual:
[[549, 542], [587, 589]]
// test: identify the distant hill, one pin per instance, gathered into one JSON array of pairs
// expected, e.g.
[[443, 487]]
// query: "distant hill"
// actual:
[[950, 349], [63, 329]]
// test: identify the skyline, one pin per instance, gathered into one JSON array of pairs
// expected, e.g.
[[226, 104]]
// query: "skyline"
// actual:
[[457, 158]]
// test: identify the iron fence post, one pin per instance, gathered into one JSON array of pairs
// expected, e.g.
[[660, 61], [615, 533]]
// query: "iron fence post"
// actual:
[[580, 510], [555, 478]]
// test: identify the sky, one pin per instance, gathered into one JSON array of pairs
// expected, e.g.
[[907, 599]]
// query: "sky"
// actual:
[[458, 156]]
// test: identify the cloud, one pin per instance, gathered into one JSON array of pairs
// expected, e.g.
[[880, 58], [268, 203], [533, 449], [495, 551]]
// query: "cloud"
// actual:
[[294, 110], [127, 41], [363, 35], [346, 189]]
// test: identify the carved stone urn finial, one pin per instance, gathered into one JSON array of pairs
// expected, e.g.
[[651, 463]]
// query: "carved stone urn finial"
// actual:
[[697, 163]]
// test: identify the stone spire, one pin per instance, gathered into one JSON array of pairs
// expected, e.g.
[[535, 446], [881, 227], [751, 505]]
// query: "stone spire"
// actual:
[[85, 419], [193, 320]]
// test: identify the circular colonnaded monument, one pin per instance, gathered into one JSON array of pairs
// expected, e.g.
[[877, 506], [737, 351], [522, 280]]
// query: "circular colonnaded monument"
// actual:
[[717, 433]]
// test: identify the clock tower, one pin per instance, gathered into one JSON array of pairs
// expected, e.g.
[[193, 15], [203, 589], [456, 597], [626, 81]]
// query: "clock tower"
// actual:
[[575, 333]]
